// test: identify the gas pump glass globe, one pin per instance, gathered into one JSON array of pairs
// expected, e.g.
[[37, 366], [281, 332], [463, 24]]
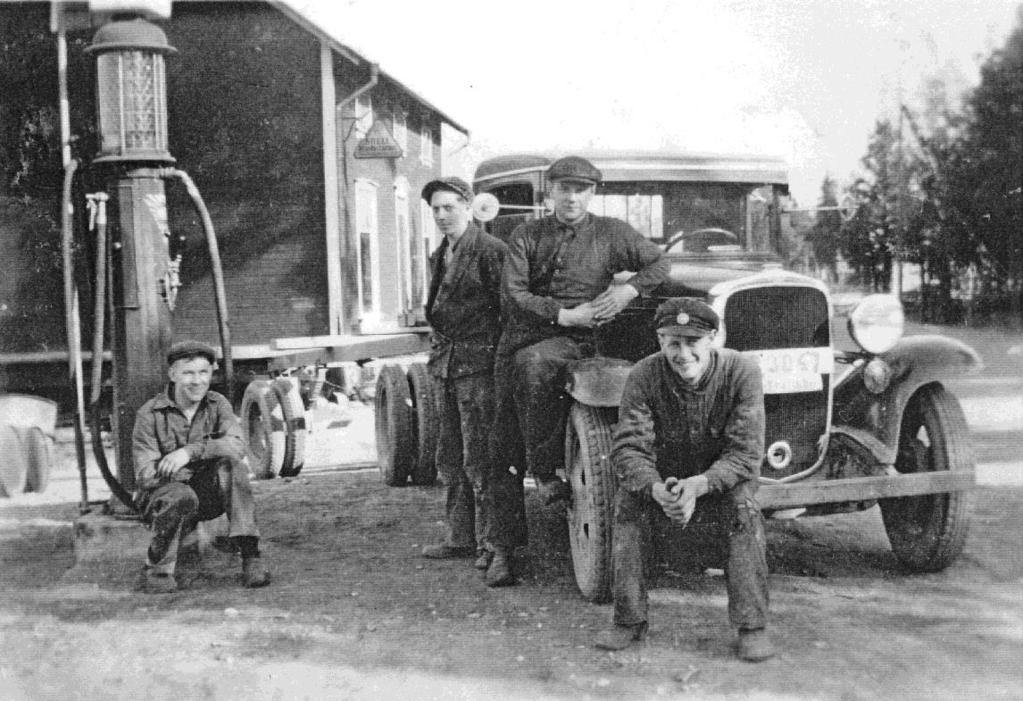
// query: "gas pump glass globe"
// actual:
[[131, 91]]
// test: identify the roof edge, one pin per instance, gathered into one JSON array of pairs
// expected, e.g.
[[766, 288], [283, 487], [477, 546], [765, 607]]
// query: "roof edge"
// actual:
[[354, 56]]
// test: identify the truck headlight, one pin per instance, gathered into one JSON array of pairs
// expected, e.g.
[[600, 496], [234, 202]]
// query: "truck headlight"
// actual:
[[876, 323]]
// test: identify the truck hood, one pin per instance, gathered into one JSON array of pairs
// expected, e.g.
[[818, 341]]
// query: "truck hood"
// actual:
[[693, 276]]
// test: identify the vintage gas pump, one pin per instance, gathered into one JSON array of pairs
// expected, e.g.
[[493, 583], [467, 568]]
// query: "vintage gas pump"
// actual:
[[134, 163], [131, 95]]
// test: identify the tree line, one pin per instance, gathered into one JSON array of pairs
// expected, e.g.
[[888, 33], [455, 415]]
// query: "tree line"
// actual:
[[941, 189]]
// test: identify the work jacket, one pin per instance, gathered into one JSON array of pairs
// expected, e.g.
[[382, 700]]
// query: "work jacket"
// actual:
[[553, 266], [667, 428], [161, 428], [464, 304]]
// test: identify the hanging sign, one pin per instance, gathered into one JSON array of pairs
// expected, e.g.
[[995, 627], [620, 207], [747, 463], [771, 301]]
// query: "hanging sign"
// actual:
[[378, 143]]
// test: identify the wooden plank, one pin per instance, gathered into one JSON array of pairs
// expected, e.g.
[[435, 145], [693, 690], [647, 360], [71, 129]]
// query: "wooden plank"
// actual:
[[353, 348], [342, 340], [784, 496]]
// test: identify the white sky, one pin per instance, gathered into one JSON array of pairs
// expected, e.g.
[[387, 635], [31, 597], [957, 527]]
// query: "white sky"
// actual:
[[804, 79]]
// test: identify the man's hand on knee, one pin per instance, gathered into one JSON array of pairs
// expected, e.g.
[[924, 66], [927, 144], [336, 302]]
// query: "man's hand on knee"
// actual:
[[172, 462]]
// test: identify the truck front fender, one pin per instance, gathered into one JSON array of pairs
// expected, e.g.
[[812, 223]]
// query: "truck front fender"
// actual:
[[915, 361], [598, 381]]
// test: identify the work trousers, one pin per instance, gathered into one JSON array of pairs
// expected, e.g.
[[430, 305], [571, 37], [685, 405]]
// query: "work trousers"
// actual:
[[732, 519], [529, 429], [463, 456], [213, 487]]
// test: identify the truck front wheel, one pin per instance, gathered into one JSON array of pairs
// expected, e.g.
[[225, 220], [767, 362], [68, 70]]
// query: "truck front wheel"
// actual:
[[928, 532], [590, 518]]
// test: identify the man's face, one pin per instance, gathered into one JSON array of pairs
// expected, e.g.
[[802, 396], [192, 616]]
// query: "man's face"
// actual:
[[571, 198], [450, 212], [191, 378], [688, 356]]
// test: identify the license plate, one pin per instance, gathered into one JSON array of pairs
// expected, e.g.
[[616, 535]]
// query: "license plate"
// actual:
[[788, 370]]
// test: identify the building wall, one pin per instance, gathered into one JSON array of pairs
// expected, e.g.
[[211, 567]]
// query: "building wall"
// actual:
[[411, 172], [244, 115]]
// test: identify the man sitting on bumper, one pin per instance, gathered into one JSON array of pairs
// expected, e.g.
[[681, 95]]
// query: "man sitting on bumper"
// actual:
[[688, 446]]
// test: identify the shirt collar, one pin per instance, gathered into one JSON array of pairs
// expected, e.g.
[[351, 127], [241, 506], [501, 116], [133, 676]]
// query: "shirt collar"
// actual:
[[582, 225]]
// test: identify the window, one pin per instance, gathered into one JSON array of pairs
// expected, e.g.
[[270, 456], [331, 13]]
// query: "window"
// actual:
[[430, 242], [426, 146], [411, 251], [368, 249], [399, 129], [644, 212], [363, 115]]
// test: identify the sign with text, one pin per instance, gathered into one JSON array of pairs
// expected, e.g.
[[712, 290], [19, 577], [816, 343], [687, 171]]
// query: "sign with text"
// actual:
[[378, 143]]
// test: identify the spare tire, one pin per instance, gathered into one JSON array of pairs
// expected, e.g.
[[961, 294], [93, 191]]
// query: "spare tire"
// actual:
[[424, 391], [393, 422], [263, 429]]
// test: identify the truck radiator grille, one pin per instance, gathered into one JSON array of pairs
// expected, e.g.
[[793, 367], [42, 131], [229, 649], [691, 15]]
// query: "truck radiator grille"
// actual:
[[785, 317]]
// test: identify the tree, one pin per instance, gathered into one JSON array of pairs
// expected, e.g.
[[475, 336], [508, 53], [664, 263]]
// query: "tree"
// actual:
[[989, 187], [824, 236]]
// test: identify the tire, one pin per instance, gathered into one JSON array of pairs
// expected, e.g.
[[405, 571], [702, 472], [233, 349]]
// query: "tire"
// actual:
[[263, 429], [38, 448], [927, 532], [286, 390], [393, 423], [591, 515], [13, 465], [423, 389]]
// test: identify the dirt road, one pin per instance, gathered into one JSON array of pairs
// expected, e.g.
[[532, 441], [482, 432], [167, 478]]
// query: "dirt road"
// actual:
[[354, 613]]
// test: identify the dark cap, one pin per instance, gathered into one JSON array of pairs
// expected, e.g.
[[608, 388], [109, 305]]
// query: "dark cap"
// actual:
[[455, 185], [574, 168], [686, 315], [191, 349]]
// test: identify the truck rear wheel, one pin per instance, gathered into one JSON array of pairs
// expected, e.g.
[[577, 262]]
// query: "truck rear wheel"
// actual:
[[293, 413], [262, 429], [423, 390], [393, 422], [591, 515], [928, 532]]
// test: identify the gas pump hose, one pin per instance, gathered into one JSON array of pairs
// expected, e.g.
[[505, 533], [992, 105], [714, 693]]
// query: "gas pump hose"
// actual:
[[71, 324], [95, 413], [75, 351], [223, 322]]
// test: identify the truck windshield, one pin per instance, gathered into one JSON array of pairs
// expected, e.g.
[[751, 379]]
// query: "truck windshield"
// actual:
[[701, 217]]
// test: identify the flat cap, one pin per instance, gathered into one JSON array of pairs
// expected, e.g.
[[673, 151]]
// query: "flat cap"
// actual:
[[191, 349], [686, 315], [452, 184], [574, 168]]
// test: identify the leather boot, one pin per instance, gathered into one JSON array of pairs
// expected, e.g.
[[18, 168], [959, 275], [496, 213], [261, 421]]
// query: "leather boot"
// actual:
[[755, 645], [254, 573], [500, 573], [158, 582], [620, 637]]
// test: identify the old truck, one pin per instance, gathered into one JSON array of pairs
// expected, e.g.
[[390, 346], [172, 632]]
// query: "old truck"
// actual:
[[846, 428]]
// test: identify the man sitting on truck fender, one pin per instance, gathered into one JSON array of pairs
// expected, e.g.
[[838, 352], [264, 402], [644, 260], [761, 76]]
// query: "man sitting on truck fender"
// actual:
[[188, 449], [688, 445], [464, 310], [558, 285]]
